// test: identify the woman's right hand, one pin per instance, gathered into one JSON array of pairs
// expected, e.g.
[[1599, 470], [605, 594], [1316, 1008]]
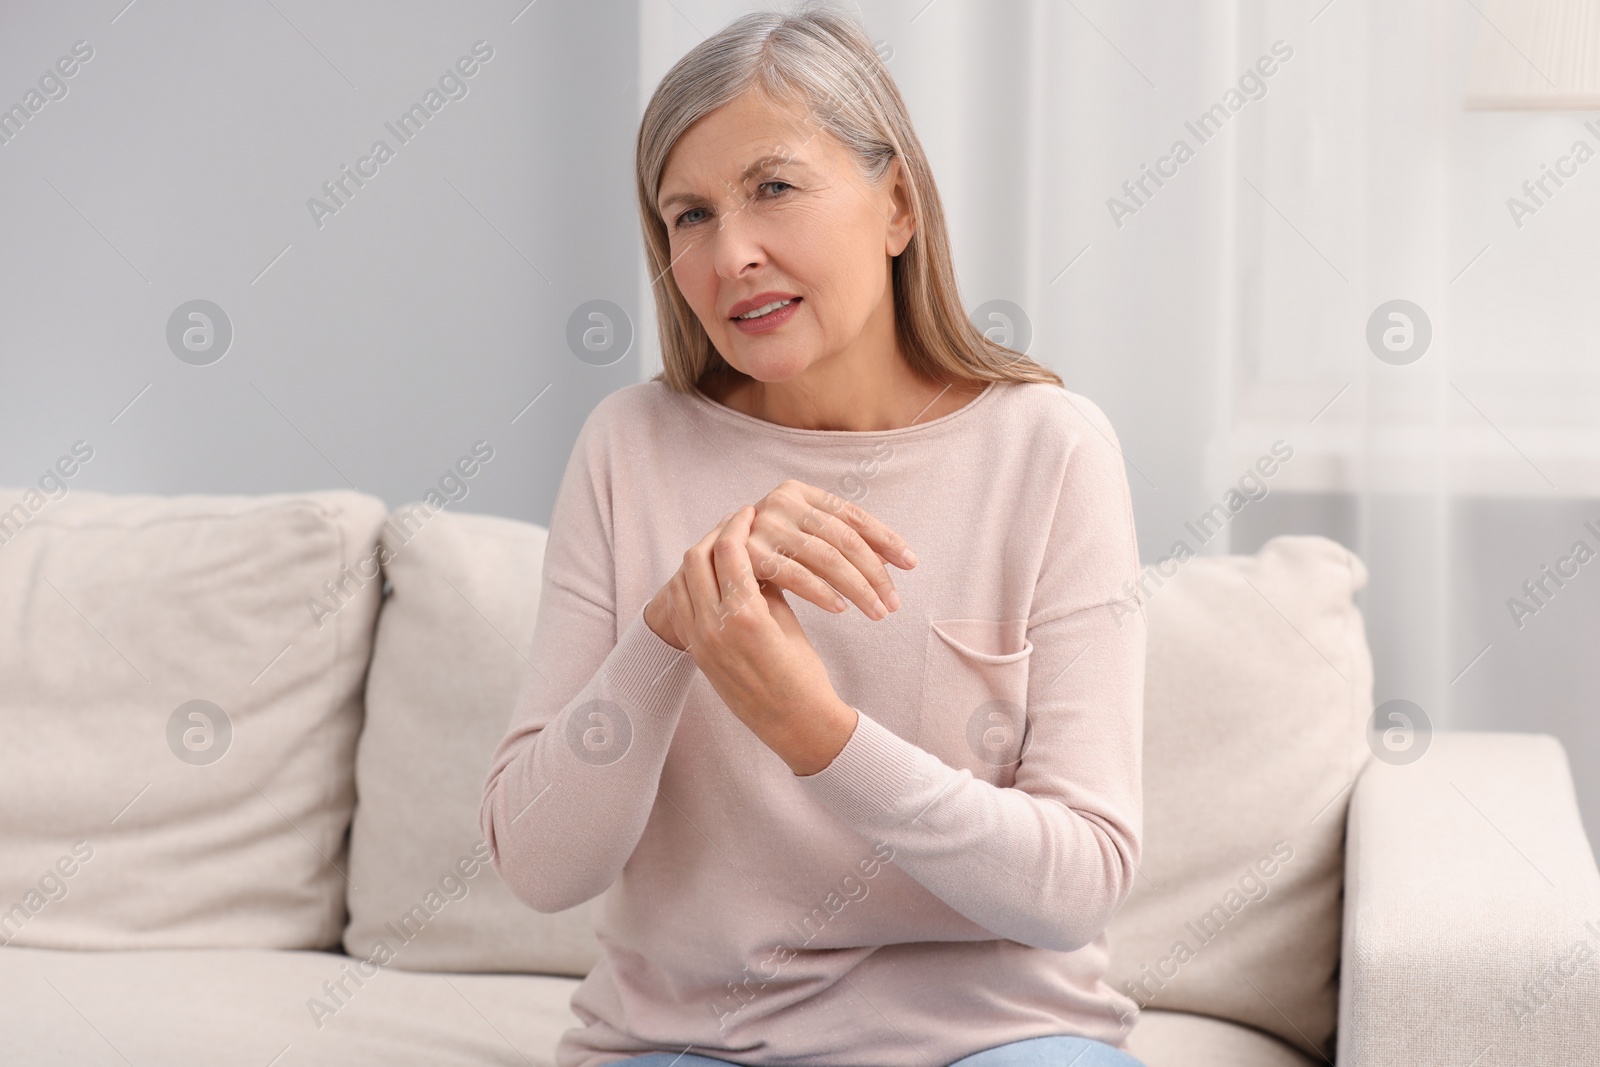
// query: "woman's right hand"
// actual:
[[812, 543]]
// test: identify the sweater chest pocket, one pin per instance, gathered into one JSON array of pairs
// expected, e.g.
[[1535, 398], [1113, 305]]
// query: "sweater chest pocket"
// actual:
[[973, 712]]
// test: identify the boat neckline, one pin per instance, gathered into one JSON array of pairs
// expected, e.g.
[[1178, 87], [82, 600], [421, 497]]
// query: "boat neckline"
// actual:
[[727, 413]]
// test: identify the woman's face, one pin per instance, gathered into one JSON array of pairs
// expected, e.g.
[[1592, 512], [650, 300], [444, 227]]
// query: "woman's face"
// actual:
[[756, 200]]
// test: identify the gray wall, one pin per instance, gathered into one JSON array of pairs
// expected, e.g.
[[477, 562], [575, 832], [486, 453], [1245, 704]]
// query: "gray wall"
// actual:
[[370, 351]]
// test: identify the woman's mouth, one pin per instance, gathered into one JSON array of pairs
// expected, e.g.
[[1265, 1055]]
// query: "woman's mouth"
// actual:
[[769, 317]]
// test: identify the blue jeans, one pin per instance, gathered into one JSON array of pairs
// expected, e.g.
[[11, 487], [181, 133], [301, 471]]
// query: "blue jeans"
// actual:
[[1056, 1050]]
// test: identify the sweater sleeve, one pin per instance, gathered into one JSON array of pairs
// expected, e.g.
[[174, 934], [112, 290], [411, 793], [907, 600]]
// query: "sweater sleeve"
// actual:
[[573, 780], [1049, 860]]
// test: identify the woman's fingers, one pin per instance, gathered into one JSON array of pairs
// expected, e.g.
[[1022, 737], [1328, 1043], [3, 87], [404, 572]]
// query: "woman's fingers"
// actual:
[[841, 549], [730, 559], [717, 575], [884, 540], [700, 580], [776, 568], [802, 539]]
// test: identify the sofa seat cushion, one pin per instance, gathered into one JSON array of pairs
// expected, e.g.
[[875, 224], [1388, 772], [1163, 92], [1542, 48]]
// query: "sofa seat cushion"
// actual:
[[198, 1008], [203, 1007], [1181, 1039]]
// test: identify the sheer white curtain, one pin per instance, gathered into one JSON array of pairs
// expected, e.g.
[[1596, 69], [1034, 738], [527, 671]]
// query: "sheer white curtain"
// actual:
[[1216, 299], [1461, 471]]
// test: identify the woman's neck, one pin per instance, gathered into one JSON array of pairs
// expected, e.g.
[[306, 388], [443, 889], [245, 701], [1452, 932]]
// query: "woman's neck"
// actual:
[[911, 400]]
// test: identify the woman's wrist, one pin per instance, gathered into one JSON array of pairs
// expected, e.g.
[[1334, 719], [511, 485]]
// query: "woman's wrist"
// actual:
[[812, 741], [658, 616]]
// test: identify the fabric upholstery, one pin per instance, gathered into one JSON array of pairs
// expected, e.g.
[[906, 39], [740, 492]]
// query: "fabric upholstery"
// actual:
[[131, 817], [210, 1007], [1258, 687], [450, 653], [1471, 902], [1179, 1039], [248, 1007]]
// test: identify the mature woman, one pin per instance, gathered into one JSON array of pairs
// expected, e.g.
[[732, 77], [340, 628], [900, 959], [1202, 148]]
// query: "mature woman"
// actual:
[[888, 834]]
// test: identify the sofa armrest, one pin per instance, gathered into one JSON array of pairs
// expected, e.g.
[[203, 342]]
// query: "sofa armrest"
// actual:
[[1471, 910]]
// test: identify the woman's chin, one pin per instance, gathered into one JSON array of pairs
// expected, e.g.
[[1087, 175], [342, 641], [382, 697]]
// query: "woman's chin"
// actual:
[[771, 370]]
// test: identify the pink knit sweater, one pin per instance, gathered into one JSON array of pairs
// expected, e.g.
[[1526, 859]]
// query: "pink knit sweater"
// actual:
[[943, 886]]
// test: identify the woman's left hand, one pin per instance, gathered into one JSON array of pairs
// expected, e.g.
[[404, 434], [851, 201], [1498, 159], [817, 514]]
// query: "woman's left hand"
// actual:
[[745, 639]]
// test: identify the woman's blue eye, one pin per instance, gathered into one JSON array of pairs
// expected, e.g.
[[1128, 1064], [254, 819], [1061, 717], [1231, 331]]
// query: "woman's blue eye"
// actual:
[[678, 222]]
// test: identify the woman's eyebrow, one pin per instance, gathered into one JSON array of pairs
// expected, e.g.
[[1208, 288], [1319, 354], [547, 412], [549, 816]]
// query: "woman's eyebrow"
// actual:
[[758, 166]]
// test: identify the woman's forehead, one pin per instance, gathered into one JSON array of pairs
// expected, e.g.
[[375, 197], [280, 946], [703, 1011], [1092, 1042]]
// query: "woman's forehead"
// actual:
[[734, 153]]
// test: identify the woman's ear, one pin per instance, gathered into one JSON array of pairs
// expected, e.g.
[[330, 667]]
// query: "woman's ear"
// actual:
[[902, 221]]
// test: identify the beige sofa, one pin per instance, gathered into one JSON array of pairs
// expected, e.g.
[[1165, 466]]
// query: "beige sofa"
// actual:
[[239, 790]]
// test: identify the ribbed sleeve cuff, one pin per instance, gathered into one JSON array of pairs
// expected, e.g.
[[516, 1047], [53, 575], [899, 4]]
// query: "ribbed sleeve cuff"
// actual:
[[871, 781], [646, 673]]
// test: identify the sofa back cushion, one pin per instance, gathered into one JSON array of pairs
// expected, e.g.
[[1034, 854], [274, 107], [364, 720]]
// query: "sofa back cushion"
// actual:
[[450, 654], [1258, 688], [177, 720]]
